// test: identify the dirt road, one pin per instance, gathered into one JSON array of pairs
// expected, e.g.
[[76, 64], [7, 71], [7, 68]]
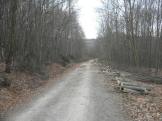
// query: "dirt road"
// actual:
[[80, 95]]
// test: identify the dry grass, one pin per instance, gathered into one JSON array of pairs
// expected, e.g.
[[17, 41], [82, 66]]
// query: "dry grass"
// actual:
[[24, 85], [55, 69]]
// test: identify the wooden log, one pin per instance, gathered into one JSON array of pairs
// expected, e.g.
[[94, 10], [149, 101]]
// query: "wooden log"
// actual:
[[130, 91], [121, 80], [135, 85], [122, 84], [135, 88], [128, 84]]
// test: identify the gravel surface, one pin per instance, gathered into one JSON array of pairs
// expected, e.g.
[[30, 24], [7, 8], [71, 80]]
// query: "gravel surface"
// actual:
[[81, 95]]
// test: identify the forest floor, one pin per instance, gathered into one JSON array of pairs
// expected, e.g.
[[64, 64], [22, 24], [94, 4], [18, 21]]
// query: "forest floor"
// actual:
[[25, 85], [84, 87], [139, 107]]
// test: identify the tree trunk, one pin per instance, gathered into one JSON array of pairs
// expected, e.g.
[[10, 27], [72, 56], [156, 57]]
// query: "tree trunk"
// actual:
[[11, 45]]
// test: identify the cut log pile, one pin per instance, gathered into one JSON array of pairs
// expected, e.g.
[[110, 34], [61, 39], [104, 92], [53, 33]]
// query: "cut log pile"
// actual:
[[127, 85], [143, 100]]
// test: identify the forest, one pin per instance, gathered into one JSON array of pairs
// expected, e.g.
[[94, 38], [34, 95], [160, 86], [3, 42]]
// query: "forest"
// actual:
[[34, 33], [101, 58], [131, 32]]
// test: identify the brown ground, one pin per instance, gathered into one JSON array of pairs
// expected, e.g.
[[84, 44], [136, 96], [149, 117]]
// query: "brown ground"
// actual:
[[143, 107], [146, 107], [24, 85]]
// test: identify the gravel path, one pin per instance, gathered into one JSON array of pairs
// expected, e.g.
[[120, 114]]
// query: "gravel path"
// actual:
[[81, 95]]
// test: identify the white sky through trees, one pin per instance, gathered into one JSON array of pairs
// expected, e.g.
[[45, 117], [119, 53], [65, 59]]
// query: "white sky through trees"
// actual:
[[88, 17]]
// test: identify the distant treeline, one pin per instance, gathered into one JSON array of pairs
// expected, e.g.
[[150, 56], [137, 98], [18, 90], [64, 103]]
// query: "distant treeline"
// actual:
[[38, 32], [131, 32]]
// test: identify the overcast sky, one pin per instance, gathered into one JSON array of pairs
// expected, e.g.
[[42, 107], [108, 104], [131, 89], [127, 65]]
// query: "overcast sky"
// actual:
[[88, 17]]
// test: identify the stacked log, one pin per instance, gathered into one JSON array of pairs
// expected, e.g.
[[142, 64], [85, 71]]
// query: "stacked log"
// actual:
[[126, 85]]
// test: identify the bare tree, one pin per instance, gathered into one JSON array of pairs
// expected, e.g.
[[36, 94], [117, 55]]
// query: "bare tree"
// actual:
[[132, 32], [35, 33]]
